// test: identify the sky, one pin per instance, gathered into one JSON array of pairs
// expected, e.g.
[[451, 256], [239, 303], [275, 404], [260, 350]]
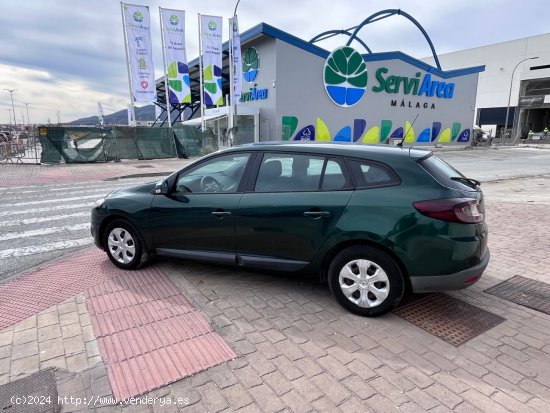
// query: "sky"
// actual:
[[64, 56]]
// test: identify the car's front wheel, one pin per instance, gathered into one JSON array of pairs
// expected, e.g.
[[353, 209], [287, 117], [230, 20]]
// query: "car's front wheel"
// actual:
[[365, 280], [123, 245]]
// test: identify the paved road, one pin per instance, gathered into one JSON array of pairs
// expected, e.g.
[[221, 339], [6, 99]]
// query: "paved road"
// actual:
[[39, 223], [502, 163]]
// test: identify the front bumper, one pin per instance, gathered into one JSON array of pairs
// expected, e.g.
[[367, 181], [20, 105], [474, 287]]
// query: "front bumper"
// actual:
[[456, 281], [96, 219]]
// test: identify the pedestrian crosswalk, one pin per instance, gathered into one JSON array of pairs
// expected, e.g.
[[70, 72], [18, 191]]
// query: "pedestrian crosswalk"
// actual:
[[39, 223]]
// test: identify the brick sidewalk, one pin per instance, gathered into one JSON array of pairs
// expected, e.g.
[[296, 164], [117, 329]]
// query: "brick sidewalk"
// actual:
[[24, 174], [297, 350]]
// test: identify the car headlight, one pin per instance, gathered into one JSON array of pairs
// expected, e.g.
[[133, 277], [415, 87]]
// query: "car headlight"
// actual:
[[99, 203]]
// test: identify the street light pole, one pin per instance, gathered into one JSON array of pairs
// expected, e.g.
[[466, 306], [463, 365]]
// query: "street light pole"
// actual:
[[12, 107], [510, 95], [28, 120]]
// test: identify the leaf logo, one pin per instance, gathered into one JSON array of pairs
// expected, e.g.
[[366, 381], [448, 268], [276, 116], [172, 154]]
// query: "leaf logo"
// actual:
[[345, 76], [138, 17], [174, 20], [251, 64], [212, 26]]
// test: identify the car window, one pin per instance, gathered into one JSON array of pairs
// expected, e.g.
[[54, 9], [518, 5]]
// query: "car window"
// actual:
[[443, 173], [220, 174], [289, 172], [334, 177], [371, 175]]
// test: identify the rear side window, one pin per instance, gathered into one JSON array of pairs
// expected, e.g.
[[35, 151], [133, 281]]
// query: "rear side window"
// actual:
[[443, 173], [369, 175]]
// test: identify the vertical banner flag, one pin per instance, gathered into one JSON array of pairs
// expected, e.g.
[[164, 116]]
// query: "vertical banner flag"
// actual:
[[130, 115], [237, 61], [173, 26], [100, 113], [140, 54], [211, 41]]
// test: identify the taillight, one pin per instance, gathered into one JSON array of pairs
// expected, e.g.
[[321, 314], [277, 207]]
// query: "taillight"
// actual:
[[460, 210]]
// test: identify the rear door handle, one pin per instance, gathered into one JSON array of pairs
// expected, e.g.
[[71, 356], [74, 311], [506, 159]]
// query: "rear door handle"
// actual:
[[221, 214], [316, 214]]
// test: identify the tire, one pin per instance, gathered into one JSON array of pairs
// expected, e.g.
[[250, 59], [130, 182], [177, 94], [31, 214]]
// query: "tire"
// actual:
[[123, 245], [354, 267]]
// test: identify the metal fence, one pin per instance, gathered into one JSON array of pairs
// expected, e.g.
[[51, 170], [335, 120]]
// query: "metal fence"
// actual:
[[86, 145], [20, 150]]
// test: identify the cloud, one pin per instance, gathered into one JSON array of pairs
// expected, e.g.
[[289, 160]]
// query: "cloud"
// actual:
[[68, 54]]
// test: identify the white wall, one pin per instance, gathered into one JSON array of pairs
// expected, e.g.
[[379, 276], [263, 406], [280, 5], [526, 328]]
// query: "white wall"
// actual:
[[499, 60]]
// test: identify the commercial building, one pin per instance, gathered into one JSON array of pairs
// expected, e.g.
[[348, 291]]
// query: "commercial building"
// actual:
[[527, 89], [295, 90]]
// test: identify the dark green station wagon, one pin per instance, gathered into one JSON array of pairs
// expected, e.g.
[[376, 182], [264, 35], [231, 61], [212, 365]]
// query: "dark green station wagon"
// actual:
[[372, 221]]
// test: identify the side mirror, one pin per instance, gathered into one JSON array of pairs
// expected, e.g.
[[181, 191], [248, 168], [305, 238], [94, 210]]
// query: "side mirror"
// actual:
[[161, 188]]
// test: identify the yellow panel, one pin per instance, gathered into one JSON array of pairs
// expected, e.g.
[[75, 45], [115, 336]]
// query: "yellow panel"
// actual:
[[445, 135], [409, 132], [372, 135], [322, 133]]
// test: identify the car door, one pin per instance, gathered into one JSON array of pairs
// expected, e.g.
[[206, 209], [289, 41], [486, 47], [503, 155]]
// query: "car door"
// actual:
[[295, 202], [196, 219]]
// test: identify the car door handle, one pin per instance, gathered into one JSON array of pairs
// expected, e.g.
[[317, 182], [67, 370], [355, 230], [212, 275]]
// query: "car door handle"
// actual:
[[221, 214], [316, 214]]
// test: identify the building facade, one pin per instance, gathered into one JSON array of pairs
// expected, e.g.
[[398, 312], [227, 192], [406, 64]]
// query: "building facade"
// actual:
[[527, 89]]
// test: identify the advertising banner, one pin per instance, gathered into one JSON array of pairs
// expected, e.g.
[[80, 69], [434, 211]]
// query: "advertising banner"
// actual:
[[237, 61], [100, 113], [211, 42], [140, 58], [173, 27]]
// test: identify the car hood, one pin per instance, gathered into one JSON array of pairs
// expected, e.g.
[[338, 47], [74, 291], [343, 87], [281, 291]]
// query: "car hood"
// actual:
[[137, 189]]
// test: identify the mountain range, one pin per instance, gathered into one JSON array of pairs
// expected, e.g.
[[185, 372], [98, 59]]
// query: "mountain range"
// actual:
[[144, 113]]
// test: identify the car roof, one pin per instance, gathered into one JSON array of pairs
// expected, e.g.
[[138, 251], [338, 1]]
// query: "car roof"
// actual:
[[358, 150]]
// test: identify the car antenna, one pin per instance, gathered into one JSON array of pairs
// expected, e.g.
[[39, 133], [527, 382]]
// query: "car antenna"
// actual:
[[400, 144]]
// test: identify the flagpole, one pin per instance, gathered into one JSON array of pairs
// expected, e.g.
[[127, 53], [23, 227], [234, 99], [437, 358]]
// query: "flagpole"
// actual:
[[231, 79], [166, 91], [128, 64], [203, 125]]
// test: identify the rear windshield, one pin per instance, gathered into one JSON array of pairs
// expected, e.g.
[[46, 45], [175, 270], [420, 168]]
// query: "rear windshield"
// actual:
[[443, 172]]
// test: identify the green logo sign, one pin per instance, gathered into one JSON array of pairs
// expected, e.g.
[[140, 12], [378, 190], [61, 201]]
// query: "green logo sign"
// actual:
[[138, 17], [174, 20], [345, 76], [212, 26], [251, 64]]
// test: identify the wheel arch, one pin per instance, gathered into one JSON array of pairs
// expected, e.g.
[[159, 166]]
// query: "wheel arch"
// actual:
[[332, 252], [105, 223]]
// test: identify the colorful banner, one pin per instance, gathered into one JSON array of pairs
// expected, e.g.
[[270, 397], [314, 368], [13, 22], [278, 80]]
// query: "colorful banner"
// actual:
[[140, 57], [237, 61], [100, 113], [173, 26], [211, 42]]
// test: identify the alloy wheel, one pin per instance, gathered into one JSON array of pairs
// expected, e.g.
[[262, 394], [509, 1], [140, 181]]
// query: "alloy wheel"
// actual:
[[364, 283], [121, 245]]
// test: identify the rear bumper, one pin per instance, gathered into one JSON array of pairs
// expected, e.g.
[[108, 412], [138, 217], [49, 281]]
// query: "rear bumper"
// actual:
[[456, 281]]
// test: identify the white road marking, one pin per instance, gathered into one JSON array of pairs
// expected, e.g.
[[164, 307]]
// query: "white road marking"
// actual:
[[44, 248], [28, 221], [43, 231], [45, 209], [44, 201]]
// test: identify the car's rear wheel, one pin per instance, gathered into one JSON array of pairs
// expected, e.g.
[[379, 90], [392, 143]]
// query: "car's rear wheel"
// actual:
[[365, 280], [123, 245]]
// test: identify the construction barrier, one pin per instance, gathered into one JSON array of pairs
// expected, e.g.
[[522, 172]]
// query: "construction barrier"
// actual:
[[88, 145]]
